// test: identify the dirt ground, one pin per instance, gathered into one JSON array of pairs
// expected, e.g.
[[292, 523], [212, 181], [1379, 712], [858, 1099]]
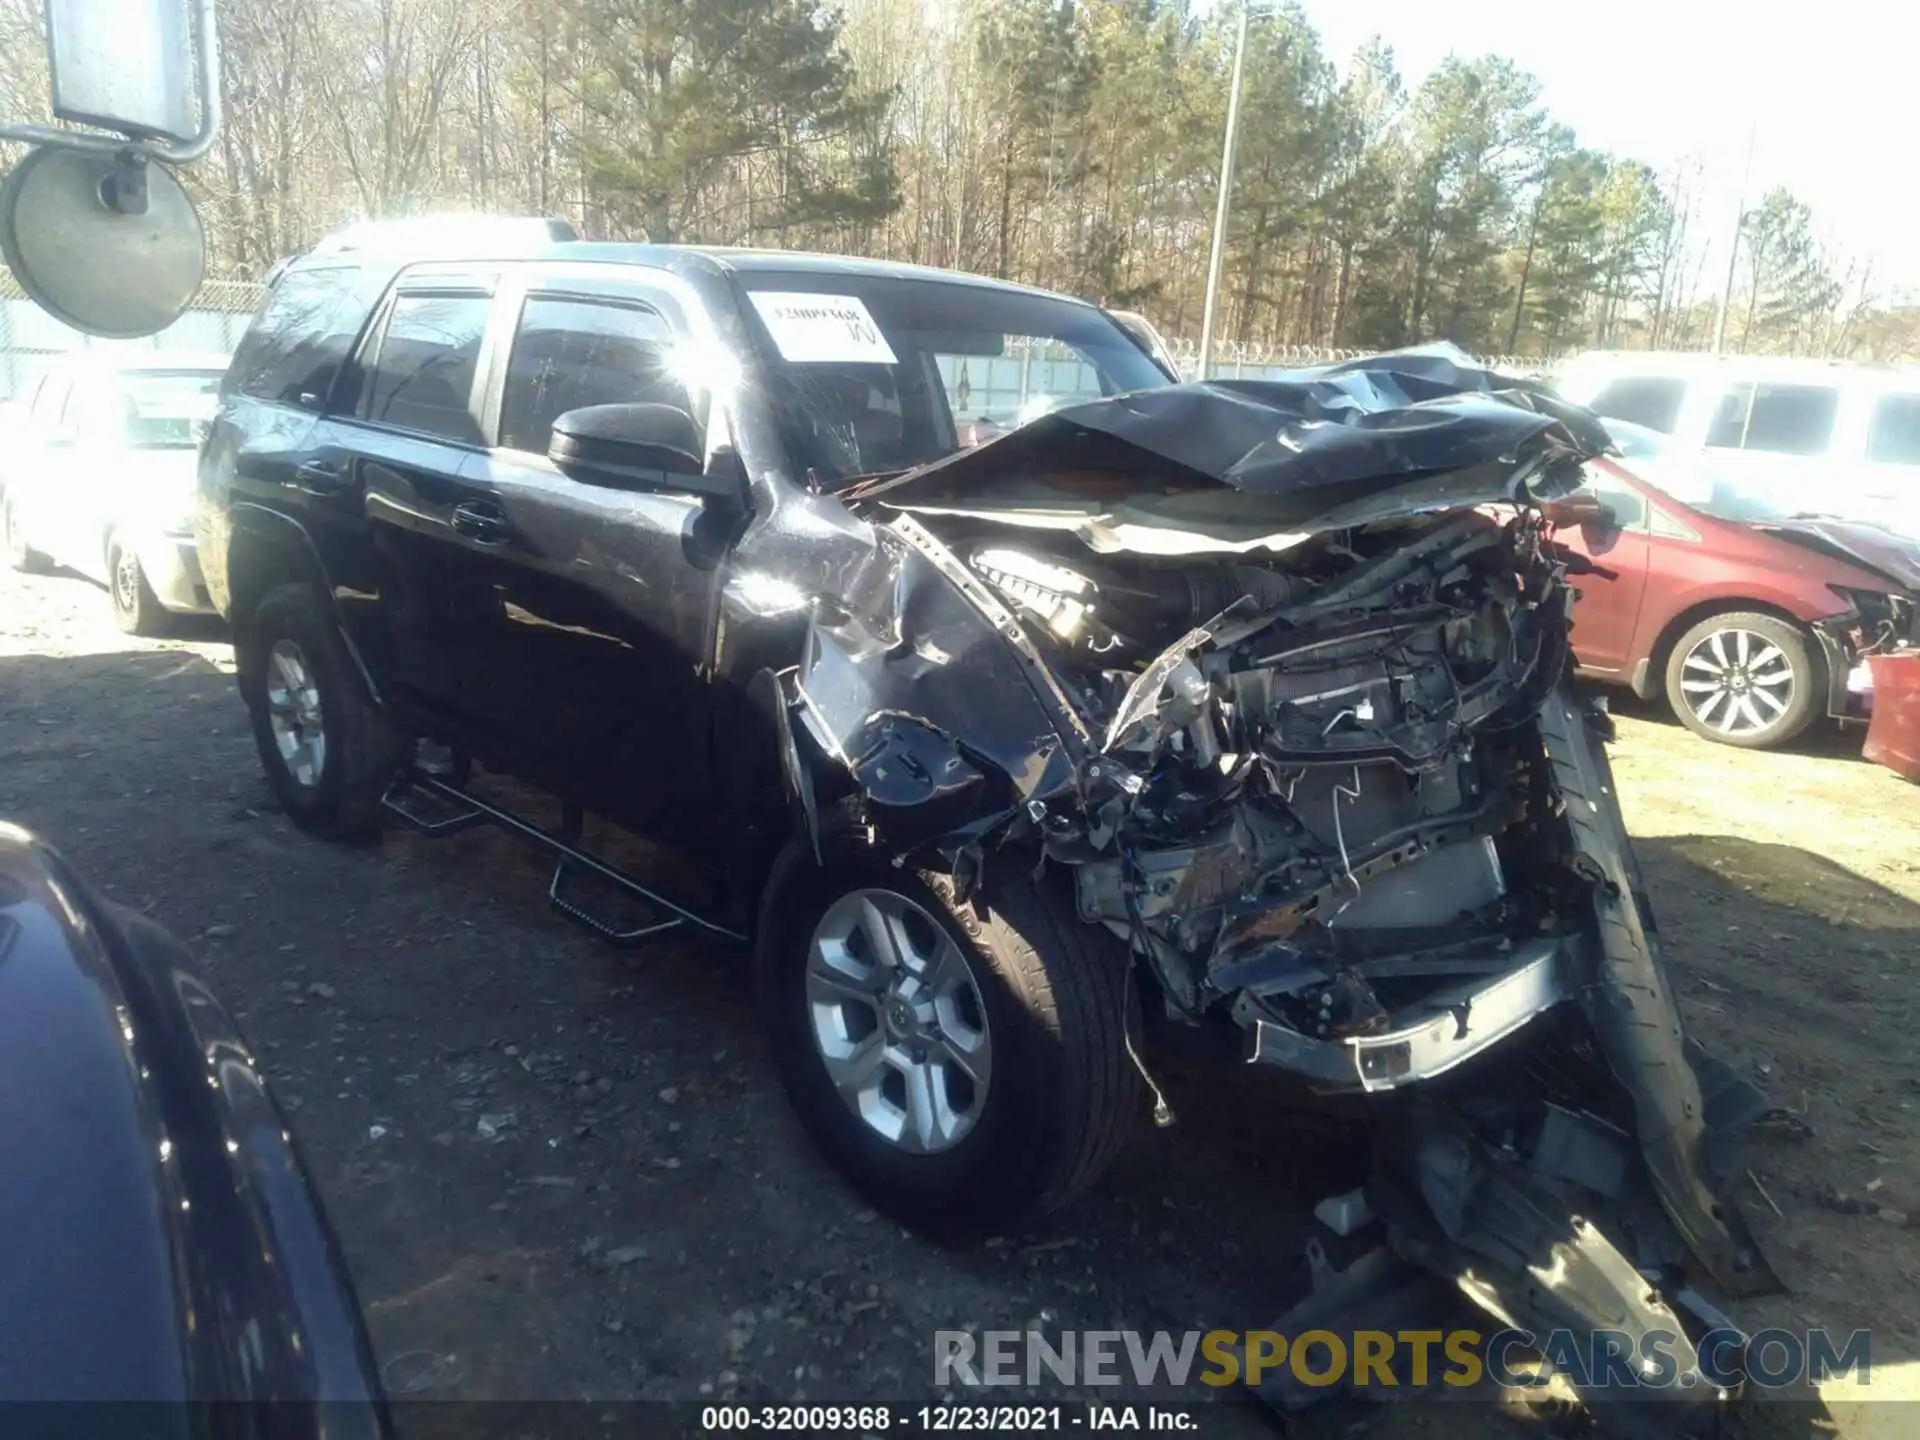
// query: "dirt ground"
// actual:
[[561, 1172]]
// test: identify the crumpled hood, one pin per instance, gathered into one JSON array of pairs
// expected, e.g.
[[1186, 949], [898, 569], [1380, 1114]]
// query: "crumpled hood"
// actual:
[[1891, 556], [1236, 463]]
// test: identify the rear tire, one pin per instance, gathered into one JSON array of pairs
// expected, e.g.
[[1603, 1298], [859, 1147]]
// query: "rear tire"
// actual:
[[20, 555], [1746, 679], [136, 609], [1048, 1002], [328, 750]]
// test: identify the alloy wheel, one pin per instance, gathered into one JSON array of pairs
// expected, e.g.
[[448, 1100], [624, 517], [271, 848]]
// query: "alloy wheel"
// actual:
[[294, 713], [126, 581], [1737, 682], [897, 1017]]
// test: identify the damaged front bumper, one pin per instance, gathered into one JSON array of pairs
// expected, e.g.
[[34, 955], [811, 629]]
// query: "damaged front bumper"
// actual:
[[1451, 1026], [1345, 799], [1875, 623]]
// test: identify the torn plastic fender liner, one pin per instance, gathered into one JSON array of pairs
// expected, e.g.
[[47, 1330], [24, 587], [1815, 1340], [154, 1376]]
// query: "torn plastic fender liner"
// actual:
[[1635, 1018], [925, 699], [1460, 1210]]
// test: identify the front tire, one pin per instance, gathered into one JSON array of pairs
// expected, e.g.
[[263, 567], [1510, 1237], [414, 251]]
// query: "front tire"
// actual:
[[964, 1066], [136, 609], [20, 555], [328, 750], [1745, 679]]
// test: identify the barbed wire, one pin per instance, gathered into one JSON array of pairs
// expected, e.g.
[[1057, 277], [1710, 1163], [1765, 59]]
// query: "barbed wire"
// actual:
[[22, 340]]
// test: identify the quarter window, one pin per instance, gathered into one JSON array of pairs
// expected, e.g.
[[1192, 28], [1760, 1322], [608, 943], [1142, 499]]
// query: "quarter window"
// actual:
[[422, 375], [295, 347], [1895, 433], [571, 353], [1777, 419]]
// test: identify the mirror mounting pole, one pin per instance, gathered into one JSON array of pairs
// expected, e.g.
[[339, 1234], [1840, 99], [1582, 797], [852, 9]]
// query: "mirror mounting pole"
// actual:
[[125, 189], [207, 89]]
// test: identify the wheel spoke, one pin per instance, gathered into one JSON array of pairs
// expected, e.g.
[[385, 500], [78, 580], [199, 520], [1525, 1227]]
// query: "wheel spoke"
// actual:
[[831, 981], [858, 1068], [1699, 687], [1718, 642], [1712, 703], [931, 1119], [896, 1018], [967, 1054], [1741, 639], [943, 971], [1782, 676], [1772, 701], [885, 934], [1769, 653]]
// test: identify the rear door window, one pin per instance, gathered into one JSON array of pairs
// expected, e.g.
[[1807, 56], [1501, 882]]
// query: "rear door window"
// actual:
[[422, 372], [1649, 400], [571, 352], [1894, 436], [294, 349], [1775, 419]]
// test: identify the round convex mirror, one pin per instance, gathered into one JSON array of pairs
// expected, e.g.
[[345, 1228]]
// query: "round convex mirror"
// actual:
[[119, 272]]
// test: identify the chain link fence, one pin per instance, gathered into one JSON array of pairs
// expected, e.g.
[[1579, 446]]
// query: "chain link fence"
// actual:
[[222, 309], [1234, 361], [28, 334]]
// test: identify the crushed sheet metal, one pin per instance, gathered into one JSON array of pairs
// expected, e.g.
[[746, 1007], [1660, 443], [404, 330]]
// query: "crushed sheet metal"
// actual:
[[1340, 438]]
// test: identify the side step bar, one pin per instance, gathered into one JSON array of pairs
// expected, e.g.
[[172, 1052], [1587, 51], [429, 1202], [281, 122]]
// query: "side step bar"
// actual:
[[433, 807]]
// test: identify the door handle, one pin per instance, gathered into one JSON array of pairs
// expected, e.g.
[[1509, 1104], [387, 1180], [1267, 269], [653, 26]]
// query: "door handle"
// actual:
[[317, 478], [482, 521]]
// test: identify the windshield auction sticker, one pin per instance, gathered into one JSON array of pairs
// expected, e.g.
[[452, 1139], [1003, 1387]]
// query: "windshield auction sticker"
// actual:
[[822, 329]]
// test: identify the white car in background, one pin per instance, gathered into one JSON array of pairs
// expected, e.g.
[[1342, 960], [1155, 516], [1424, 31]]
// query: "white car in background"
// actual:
[[1818, 435], [98, 465]]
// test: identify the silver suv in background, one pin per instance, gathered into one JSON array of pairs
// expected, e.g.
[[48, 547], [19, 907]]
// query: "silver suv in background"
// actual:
[[98, 464], [1820, 436]]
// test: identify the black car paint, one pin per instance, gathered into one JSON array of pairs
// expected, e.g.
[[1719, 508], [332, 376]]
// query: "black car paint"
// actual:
[[607, 626], [592, 629], [1378, 434], [159, 1240], [782, 651]]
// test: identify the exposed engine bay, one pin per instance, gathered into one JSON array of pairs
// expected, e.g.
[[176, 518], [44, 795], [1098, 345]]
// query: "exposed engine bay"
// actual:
[[1307, 763], [1276, 677]]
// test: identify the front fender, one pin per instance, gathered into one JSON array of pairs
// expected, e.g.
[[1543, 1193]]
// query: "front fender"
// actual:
[[932, 703]]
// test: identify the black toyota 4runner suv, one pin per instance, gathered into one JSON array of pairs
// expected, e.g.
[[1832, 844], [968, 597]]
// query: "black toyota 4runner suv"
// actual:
[[1007, 691]]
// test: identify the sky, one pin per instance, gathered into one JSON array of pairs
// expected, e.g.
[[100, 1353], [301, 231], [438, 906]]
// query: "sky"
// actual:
[[1833, 88]]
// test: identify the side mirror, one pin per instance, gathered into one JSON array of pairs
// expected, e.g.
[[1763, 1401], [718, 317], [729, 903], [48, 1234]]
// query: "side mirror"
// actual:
[[637, 447]]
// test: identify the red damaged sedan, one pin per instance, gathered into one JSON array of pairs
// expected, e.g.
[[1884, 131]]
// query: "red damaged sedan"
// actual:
[[1753, 617]]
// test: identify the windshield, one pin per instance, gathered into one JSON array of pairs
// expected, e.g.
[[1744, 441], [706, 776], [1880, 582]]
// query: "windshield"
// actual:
[[1691, 478], [873, 375], [164, 410]]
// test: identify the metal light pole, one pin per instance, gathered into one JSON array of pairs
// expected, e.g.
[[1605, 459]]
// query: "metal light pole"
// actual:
[[1226, 193], [1733, 250]]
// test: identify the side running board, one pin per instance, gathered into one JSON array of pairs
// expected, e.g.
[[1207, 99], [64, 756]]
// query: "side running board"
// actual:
[[433, 807]]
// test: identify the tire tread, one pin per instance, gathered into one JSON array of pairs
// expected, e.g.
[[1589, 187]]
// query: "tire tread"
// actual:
[[363, 745]]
